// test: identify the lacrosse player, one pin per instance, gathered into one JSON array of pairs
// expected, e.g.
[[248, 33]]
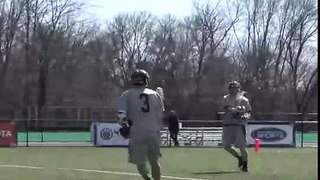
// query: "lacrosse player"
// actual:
[[173, 121], [237, 111], [140, 112]]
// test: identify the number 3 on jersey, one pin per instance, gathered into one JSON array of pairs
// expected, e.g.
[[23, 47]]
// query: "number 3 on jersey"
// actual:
[[146, 107]]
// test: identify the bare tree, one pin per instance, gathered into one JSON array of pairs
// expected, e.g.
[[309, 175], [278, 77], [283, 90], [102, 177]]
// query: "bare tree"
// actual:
[[209, 29], [302, 27], [274, 54], [10, 14], [67, 61], [131, 37], [48, 23], [163, 50]]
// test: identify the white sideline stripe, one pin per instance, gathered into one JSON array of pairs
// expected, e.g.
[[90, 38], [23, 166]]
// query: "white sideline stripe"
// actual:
[[96, 171], [100, 171], [22, 167], [125, 173]]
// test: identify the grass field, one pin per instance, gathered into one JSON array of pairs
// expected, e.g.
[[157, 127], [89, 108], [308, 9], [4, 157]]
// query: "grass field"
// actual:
[[89, 163]]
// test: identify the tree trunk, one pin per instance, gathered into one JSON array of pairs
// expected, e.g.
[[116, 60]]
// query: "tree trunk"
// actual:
[[42, 87]]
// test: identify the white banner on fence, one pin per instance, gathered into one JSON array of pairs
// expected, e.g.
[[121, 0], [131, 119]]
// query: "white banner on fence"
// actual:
[[271, 134], [107, 134]]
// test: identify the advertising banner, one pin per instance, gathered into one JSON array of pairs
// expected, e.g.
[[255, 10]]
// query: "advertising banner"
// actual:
[[8, 134], [271, 134], [279, 134], [107, 134]]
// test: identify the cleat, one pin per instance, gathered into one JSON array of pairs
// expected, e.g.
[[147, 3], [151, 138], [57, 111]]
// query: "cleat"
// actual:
[[240, 162], [244, 167]]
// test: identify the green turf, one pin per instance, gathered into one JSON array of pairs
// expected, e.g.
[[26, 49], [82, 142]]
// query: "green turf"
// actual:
[[307, 137], [54, 136], [205, 163]]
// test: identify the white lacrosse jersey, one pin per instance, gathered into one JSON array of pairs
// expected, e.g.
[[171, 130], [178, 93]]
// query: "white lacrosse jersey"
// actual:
[[144, 107], [238, 100]]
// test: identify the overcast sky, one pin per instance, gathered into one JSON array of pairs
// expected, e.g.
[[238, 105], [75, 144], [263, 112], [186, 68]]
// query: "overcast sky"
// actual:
[[102, 10], [106, 9]]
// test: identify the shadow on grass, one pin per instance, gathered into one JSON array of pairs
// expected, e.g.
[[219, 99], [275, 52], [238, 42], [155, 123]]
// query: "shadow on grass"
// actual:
[[216, 172]]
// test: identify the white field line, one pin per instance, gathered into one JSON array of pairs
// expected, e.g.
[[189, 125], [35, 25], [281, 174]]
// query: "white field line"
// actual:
[[22, 167], [96, 171]]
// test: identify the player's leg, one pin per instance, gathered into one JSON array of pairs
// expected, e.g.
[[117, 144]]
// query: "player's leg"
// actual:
[[138, 156], [171, 137], [174, 137], [242, 145], [143, 171], [176, 142], [155, 168], [244, 158], [154, 155], [228, 138]]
